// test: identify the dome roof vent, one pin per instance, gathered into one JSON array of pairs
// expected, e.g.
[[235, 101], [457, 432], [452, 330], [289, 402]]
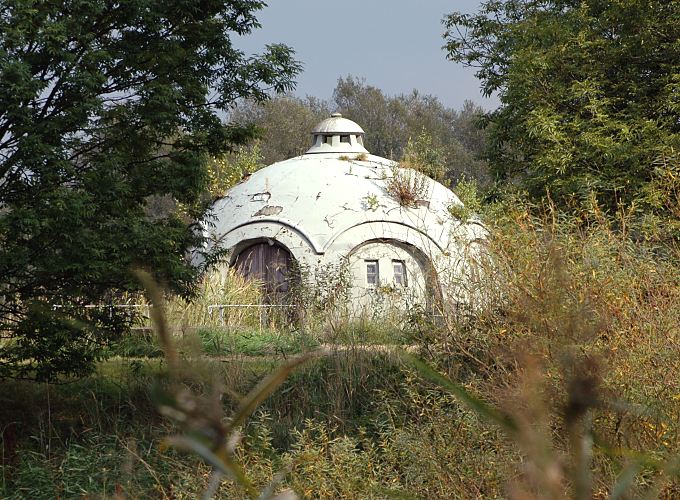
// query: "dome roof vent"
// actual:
[[337, 135]]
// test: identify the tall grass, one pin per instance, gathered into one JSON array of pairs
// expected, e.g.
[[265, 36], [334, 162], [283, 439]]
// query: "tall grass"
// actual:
[[578, 349], [222, 285], [563, 385]]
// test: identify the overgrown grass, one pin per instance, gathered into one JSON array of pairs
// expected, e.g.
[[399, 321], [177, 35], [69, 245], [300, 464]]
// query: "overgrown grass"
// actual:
[[578, 349], [218, 341], [345, 427]]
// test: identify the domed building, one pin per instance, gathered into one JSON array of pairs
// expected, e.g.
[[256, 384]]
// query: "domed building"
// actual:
[[389, 228]]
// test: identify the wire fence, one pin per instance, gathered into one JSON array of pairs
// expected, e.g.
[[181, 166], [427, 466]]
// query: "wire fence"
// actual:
[[264, 310], [265, 315]]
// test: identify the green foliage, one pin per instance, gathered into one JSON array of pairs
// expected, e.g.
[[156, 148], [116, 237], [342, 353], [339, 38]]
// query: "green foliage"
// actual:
[[391, 122], [229, 169], [422, 155], [589, 92], [284, 124], [106, 107], [322, 290], [137, 343], [467, 192], [367, 331], [660, 201], [371, 202], [263, 342]]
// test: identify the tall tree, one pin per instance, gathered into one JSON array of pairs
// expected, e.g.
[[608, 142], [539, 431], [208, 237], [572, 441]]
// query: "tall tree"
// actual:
[[589, 91], [392, 121], [103, 106], [285, 124]]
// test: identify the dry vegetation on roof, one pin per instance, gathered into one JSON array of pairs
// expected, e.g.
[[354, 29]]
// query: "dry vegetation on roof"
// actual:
[[407, 186]]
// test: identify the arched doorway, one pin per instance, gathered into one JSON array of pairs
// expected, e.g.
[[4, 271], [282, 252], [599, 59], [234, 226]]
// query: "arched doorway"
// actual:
[[268, 263]]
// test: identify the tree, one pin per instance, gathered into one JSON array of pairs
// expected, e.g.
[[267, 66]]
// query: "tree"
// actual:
[[285, 124], [421, 155], [590, 91], [230, 169], [391, 121], [104, 106]]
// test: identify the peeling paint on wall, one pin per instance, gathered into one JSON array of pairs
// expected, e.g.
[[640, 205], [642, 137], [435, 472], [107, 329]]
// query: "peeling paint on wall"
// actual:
[[269, 210], [264, 196]]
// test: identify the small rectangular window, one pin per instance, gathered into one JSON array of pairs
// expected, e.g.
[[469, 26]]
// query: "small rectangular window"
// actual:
[[344, 138], [399, 272], [372, 272]]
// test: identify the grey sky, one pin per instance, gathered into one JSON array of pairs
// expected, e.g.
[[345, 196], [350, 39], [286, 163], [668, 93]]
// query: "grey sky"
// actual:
[[395, 45]]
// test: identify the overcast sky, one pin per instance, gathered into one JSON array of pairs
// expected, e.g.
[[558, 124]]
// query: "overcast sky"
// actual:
[[395, 45]]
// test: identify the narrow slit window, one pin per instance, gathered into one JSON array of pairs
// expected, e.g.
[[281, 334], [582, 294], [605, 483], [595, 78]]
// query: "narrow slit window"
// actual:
[[399, 272], [372, 276]]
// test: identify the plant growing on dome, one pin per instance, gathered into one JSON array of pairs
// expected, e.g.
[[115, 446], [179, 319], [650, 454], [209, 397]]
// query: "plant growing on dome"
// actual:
[[407, 186], [371, 202]]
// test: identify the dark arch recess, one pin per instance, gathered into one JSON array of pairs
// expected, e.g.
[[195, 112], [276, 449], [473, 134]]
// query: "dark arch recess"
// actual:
[[268, 262]]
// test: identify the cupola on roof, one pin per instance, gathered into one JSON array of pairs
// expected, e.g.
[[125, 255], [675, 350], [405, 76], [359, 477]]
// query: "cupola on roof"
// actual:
[[337, 135]]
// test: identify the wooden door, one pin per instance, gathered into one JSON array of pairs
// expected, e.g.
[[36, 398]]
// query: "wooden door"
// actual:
[[270, 264]]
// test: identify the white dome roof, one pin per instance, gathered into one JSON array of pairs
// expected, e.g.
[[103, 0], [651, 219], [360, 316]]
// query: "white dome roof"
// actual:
[[336, 124], [319, 197]]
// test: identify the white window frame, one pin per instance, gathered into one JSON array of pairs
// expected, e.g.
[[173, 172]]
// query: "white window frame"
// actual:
[[403, 275], [372, 275]]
